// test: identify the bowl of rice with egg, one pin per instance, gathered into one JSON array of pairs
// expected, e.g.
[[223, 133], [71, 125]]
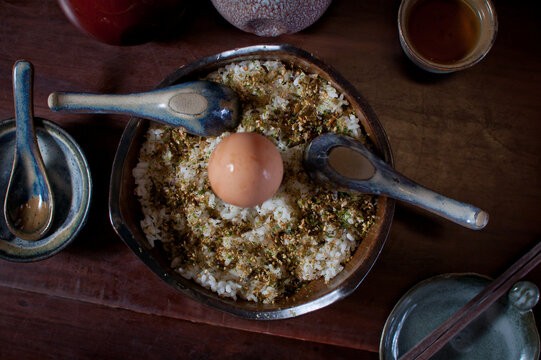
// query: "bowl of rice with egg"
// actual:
[[304, 248]]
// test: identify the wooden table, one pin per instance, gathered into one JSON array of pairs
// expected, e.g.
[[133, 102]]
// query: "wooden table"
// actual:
[[474, 136]]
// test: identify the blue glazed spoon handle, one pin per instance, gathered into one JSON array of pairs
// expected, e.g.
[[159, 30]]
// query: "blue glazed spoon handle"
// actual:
[[27, 157], [29, 204], [387, 181], [24, 109], [380, 179], [201, 107]]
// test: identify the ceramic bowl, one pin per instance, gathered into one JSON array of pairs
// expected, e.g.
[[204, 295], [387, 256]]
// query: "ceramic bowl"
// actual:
[[271, 17], [69, 175], [506, 330], [124, 22], [125, 213]]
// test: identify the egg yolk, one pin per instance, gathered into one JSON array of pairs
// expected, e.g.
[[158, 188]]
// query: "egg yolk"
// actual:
[[245, 169]]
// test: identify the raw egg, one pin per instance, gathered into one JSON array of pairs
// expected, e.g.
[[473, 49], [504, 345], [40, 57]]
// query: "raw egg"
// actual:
[[245, 169]]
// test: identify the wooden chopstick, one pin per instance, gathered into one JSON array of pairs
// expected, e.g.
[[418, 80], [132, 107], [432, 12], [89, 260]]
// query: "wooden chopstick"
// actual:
[[497, 288]]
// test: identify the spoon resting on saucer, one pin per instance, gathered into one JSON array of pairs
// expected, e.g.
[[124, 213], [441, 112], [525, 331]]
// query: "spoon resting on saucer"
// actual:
[[348, 165], [203, 108], [29, 205]]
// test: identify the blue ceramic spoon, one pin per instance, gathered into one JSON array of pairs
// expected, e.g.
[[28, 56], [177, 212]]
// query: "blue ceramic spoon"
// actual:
[[28, 206], [203, 108], [348, 165]]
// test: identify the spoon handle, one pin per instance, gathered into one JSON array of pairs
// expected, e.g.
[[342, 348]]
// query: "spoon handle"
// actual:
[[387, 181], [399, 187], [29, 204], [27, 153], [24, 107], [365, 172], [189, 105]]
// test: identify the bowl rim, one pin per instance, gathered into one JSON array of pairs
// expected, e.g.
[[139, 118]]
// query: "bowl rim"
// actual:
[[57, 239], [397, 312], [348, 285], [442, 68]]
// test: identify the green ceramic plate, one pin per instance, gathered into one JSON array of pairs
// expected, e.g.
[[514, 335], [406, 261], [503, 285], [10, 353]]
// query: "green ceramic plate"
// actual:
[[506, 331]]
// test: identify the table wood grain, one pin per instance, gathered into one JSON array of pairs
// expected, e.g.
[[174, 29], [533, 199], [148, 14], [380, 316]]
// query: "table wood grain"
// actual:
[[474, 136]]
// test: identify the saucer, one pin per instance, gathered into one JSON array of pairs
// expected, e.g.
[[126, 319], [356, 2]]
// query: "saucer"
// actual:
[[506, 330], [69, 174]]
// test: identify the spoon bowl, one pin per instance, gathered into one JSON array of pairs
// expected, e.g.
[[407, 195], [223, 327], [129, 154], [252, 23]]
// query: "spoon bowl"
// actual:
[[28, 205], [202, 108], [349, 165]]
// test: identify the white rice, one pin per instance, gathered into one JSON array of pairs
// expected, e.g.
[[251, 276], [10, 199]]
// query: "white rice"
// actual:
[[250, 264]]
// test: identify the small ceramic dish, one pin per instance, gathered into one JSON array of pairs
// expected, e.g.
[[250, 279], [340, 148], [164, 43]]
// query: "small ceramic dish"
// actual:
[[505, 331], [69, 175], [126, 215]]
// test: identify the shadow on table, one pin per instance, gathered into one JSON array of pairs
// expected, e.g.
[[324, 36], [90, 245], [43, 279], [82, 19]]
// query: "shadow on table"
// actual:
[[98, 137], [418, 75], [418, 220]]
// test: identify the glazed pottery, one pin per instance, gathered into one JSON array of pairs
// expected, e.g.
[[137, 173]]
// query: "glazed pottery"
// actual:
[[29, 203], [202, 108], [357, 169], [71, 184], [505, 331], [126, 213], [271, 17]]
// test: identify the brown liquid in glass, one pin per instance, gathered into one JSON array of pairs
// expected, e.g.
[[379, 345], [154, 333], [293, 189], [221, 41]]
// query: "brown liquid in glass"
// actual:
[[443, 31]]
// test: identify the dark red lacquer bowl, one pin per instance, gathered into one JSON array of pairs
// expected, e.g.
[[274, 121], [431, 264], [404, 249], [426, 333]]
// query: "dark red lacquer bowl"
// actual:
[[123, 22]]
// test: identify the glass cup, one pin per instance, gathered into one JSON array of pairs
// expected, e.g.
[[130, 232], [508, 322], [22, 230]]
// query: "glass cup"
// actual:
[[487, 30]]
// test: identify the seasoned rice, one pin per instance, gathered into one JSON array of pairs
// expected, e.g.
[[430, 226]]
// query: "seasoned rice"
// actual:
[[304, 232]]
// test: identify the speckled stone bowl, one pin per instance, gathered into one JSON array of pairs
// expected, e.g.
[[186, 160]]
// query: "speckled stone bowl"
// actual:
[[271, 17], [126, 215]]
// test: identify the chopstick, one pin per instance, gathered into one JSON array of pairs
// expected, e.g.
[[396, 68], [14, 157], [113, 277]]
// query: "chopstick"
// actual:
[[433, 342]]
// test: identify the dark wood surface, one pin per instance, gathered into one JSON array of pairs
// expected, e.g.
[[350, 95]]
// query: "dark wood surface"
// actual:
[[474, 136]]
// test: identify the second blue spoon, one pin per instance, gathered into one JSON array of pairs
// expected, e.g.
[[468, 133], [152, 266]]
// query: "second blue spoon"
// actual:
[[203, 108]]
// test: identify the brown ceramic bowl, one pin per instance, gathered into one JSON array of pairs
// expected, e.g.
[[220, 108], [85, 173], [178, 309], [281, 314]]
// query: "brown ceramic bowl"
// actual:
[[125, 210]]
